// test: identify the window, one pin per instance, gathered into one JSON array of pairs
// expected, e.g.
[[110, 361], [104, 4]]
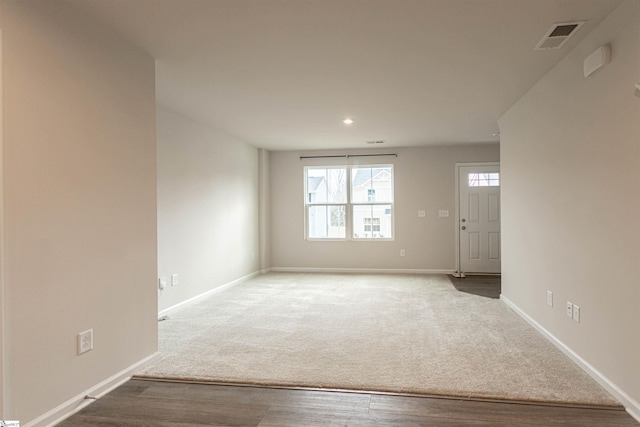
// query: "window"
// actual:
[[484, 179], [326, 207], [372, 224], [349, 202]]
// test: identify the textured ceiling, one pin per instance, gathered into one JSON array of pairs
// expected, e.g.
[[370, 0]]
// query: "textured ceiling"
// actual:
[[282, 74]]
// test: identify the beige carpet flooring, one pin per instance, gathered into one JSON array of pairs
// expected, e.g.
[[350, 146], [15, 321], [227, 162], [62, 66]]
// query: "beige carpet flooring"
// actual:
[[393, 333]]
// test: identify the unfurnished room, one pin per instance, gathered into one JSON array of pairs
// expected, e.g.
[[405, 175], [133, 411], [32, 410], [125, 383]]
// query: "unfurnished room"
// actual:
[[319, 212]]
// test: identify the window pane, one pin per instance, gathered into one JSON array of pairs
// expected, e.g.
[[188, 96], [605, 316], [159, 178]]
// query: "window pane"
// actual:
[[327, 185], [372, 185], [372, 222], [327, 222], [484, 179]]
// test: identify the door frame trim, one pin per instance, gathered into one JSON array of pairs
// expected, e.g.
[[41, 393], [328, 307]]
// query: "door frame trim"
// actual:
[[459, 273]]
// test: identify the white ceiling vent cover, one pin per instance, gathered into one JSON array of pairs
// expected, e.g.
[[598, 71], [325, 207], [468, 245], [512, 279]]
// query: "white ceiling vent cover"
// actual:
[[558, 35]]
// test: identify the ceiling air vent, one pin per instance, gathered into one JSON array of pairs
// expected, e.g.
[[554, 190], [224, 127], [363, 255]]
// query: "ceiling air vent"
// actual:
[[558, 35], [375, 142]]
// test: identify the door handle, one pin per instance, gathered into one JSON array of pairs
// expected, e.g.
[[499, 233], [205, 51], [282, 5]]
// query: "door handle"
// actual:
[[463, 227], [463, 220]]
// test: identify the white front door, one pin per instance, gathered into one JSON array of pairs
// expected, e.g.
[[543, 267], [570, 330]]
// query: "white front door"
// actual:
[[479, 218]]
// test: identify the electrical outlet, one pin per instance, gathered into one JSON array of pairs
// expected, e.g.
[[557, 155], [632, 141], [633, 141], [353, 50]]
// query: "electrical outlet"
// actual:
[[569, 310], [402, 253], [174, 279], [422, 214], [550, 298], [576, 313], [85, 341], [162, 283]]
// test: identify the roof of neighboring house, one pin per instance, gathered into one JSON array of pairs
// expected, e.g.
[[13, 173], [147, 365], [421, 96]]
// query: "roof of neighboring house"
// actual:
[[313, 182], [363, 175]]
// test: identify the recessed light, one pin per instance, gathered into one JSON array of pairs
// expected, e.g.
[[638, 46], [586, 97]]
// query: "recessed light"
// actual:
[[347, 121]]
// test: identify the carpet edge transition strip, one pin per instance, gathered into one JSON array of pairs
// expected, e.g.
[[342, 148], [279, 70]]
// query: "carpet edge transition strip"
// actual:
[[532, 402]]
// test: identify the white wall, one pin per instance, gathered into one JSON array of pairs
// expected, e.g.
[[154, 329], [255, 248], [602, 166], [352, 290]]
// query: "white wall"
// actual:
[[424, 179], [207, 207], [570, 152], [79, 205], [265, 209], [2, 267]]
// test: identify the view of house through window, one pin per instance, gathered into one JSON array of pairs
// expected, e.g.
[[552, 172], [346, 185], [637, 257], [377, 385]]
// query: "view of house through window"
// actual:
[[484, 179], [349, 201]]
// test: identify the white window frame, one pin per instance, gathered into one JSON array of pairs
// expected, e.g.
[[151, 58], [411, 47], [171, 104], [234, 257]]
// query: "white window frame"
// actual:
[[349, 204]]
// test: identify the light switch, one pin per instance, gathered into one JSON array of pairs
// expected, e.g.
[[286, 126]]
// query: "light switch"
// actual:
[[443, 213], [422, 214]]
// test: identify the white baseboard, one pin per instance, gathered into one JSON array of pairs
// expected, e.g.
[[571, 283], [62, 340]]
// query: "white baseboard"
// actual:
[[359, 270], [631, 405], [180, 305], [78, 402]]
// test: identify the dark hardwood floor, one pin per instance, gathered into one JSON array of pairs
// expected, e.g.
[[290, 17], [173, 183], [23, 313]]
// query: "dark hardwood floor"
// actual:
[[484, 286], [157, 403]]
